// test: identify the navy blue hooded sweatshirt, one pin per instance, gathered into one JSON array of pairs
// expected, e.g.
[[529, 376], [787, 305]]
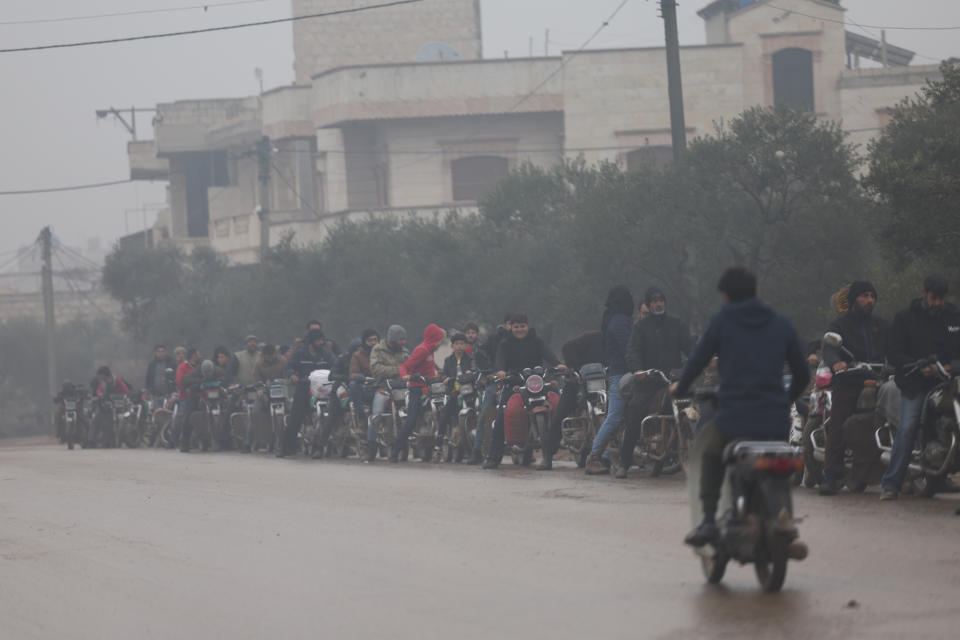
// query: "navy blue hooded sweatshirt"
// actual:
[[752, 342]]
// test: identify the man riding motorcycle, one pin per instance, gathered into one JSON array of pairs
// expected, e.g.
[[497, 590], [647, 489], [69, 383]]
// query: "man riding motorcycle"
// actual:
[[385, 360], [520, 350], [865, 337], [359, 371], [243, 362], [752, 342], [485, 357], [314, 355], [928, 327], [420, 364]]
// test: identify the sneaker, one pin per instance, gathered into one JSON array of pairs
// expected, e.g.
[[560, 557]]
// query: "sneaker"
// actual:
[[491, 464], [595, 466], [476, 457], [621, 473], [886, 494], [703, 535]]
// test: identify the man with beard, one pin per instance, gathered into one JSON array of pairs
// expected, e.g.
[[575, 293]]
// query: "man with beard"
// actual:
[[243, 362], [659, 341], [928, 327], [864, 340]]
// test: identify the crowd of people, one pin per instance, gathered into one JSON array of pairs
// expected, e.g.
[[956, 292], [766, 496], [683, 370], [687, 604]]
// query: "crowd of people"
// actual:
[[748, 343]]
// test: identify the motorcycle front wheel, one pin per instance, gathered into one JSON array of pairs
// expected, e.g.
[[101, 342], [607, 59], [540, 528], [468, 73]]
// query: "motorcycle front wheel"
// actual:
[[714, 566]]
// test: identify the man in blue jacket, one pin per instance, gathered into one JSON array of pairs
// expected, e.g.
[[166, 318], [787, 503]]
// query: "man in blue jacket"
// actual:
[[752, 342]]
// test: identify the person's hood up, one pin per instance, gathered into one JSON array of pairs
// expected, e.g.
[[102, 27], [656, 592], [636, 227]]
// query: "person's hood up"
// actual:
[[433, 335], [354, 345], [396, 333], [750, 313]]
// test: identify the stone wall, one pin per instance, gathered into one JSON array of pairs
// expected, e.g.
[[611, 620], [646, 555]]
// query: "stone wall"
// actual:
[[392, 34]]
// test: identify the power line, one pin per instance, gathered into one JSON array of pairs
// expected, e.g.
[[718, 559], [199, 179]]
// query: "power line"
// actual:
[[76, 187], [154, 36], [566, 60], [96, 16], [297, 194], [76, 290], [869, 26]]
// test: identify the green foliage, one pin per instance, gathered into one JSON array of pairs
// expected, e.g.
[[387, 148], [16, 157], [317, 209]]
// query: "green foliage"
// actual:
[[139, 279], [915, 172]]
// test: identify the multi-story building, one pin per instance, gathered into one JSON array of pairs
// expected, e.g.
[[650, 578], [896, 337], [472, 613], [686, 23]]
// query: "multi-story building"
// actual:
[[398, 113]]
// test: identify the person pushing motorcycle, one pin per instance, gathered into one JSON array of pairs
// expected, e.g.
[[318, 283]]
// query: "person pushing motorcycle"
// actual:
[[865, 340], [752, 342]]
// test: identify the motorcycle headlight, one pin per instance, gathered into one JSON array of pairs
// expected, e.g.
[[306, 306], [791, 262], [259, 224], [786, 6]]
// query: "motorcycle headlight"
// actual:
[[278, 392], [534, 384], [398, 395], [438, 388], [596, 385], [466, 389]]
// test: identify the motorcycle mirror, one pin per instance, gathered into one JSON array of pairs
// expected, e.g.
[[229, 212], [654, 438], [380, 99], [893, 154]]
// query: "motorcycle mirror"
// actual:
[[832, 339]]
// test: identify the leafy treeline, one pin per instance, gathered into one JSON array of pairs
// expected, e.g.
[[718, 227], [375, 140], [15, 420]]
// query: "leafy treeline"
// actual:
[[775, 190]]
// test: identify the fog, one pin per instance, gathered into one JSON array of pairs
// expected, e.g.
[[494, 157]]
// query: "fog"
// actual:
[[52, 138]]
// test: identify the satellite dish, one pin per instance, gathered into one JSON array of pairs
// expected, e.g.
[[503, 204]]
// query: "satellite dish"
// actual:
[[437, 52]]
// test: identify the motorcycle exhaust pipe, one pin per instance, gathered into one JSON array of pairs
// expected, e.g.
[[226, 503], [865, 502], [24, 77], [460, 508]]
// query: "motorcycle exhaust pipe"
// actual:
[[797, 550]]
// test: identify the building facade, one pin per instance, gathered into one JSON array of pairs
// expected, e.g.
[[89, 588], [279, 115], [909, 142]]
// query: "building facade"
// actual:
[[419, 123]]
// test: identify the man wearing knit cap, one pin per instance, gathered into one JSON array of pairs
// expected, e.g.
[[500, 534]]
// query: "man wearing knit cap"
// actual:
[[865, 339], [385, 361], [657, 342]]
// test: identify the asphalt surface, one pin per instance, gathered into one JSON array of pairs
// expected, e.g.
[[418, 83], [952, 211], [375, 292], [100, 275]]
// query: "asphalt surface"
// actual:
[[157, 544]]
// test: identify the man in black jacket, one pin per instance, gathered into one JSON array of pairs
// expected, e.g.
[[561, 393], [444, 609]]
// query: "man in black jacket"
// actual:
[[520, 350], [485, 357], [865, 339], [928, 327], [314, 355], [456, 364], [157, 381], [658, 341]]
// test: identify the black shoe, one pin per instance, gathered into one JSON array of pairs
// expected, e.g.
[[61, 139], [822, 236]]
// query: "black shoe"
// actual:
[[830, 487], [546, 464], [621, 472], [245, 449], [394, 457], [491, 464], [404, 456], [371, 452], [703, 535], [476, 457]]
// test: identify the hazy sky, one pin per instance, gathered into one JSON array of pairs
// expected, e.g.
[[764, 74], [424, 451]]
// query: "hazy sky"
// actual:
[[51, 137]]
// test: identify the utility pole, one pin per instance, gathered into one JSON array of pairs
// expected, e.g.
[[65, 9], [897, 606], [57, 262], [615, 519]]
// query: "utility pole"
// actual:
[[263, 210], [46, 274], [678, 125]]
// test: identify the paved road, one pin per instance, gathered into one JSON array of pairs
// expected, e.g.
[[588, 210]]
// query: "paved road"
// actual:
[[156, 544]]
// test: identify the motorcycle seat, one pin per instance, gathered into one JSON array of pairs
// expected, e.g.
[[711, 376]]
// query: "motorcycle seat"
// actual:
[[742, 449]]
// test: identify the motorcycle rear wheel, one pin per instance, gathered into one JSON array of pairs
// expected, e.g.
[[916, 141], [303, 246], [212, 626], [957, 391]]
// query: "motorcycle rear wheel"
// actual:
[[770, 563], [812, 468], [714, 566]]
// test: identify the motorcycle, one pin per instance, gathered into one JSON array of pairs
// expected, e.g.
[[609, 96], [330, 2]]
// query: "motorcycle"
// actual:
[[665, 438], [241, 420], [279, 394], [104, 427], [460, 436], [133, 420], [74, 419], [425, 437], [528, 412], [387, 425], [579, 431], [934, 456], [343, 436], [861, 455], [757, 526], [321, 395], [356, 427], [208, 419]]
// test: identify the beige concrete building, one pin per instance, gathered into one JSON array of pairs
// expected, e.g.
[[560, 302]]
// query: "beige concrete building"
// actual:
[[417, 122]]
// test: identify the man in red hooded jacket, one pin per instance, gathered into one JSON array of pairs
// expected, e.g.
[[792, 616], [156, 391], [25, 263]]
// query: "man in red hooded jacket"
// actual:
[[420, 363]]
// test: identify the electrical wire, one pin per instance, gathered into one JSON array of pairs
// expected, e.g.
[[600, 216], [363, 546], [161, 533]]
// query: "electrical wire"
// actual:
[[96, 16], [869, 26], [261, 23], [81, 292], [77, 187], [872, 34], [293, 189], [566, 60]]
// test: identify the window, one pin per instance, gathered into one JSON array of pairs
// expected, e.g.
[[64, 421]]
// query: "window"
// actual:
[[474, 176], [219, 169], [793, 79], [649, 156]]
